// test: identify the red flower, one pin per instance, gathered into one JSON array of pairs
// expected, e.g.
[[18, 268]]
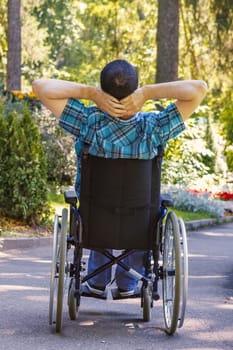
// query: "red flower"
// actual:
[[226, 196]]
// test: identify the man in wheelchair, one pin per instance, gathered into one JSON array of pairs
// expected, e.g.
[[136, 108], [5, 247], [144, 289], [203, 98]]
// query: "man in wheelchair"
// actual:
[[117, 128]]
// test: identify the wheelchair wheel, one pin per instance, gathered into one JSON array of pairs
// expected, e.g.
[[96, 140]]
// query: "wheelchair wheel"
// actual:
[[72, 301], [53, 274], [147, 303], [58, 270], [171, 273], [184, 271]]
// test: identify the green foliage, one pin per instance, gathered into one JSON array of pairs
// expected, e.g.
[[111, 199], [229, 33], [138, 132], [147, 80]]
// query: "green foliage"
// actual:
[[186, 154], [225, 115], [74, 39], [3, 153], [89, 34], [190, 215], [210, 156], [58, 147], [229, 157], [225, 111], [192, 152], [55, 16], [23, 174], [223, 10]]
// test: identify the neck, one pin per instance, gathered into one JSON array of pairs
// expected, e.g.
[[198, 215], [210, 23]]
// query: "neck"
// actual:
[[126, 117]]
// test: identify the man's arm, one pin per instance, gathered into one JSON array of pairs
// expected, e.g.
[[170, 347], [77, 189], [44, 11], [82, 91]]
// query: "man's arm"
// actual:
[[187, 93], [54, 94]]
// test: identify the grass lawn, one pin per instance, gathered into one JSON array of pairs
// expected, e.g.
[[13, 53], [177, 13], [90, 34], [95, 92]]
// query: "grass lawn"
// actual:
[[57, 202], [190, 215]]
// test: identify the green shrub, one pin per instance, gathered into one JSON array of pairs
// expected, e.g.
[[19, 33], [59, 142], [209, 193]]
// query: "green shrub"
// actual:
[[3, 155], [209, 159], [229, 157], [184, 155], [59, 149], [23, 168]]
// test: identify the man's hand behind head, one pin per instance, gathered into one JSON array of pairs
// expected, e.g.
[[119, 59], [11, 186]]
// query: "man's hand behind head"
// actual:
[[134, 102], [108, 103]]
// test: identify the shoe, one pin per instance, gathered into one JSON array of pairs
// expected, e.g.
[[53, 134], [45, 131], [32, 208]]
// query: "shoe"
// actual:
[[124, 294], [93, 292]]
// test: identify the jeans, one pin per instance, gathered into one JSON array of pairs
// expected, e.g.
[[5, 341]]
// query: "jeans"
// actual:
[[124, 280]]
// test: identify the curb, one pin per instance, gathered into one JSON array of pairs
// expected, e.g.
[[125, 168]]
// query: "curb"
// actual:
[[197, 224], [22, 243], [19, 243]]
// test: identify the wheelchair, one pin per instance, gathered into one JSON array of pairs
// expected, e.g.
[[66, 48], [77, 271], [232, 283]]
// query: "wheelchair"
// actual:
[[121, 208]]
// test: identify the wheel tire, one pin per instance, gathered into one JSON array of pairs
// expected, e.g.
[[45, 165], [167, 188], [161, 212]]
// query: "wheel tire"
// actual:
[[147, 303], [62, 265], [72, 301], [184, 271], [53, 268], [171, 273]]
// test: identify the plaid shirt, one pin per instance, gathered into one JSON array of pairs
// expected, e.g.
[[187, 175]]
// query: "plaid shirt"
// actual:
[[109, 137]]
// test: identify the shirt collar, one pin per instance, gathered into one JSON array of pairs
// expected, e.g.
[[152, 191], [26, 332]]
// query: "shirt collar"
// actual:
[[123, 121]]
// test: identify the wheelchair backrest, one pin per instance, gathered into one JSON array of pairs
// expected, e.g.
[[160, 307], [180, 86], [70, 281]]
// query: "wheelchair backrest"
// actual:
[[119, 202]]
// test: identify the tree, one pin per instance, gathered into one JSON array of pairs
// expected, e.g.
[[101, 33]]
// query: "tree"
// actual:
[[167, 40], [14, 46]]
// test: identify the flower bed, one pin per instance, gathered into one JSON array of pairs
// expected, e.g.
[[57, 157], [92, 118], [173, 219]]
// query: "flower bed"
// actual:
[[224, 195], [15, 96], [218, 204]]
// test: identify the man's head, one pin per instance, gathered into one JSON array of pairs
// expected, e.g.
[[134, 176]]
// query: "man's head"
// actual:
[[119, 79]]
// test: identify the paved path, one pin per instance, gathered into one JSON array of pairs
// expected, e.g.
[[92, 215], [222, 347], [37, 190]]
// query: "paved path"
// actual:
[[24, 281]]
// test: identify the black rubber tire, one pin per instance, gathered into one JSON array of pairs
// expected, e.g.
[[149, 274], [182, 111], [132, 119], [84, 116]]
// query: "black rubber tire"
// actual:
[[72, 301], [53, 279], [171, 273], [147, 302], [62, 265], [184, 272]]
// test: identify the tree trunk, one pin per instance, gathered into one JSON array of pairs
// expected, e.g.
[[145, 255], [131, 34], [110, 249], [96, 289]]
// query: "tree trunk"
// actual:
[[14, 46], [167, 40]]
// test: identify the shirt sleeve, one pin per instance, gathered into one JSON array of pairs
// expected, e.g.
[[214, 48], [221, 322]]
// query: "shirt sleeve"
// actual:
[[74, 117], [170, 122]]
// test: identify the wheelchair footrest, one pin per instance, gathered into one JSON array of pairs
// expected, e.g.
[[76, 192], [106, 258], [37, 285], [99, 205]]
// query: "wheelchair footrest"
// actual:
[[85, 292], [116, 294]]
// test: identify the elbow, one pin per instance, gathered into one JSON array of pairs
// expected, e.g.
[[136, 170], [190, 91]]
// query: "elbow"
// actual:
[[38, 86], [202, 88]]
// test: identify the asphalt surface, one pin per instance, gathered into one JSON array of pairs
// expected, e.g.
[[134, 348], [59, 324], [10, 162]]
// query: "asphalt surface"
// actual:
[[24, 290]]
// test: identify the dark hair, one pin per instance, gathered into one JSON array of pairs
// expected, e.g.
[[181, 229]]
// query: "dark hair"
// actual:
[[119, 79]]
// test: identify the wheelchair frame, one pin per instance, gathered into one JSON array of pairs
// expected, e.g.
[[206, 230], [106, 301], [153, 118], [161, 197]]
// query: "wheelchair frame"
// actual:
[[167, 262]]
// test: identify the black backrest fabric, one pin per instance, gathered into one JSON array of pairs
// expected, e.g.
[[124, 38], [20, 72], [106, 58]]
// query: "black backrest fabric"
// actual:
[[119, 202]]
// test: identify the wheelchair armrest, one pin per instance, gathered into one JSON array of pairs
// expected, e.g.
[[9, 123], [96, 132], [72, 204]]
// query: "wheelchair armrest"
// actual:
[[166, 201], [70, 197]]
